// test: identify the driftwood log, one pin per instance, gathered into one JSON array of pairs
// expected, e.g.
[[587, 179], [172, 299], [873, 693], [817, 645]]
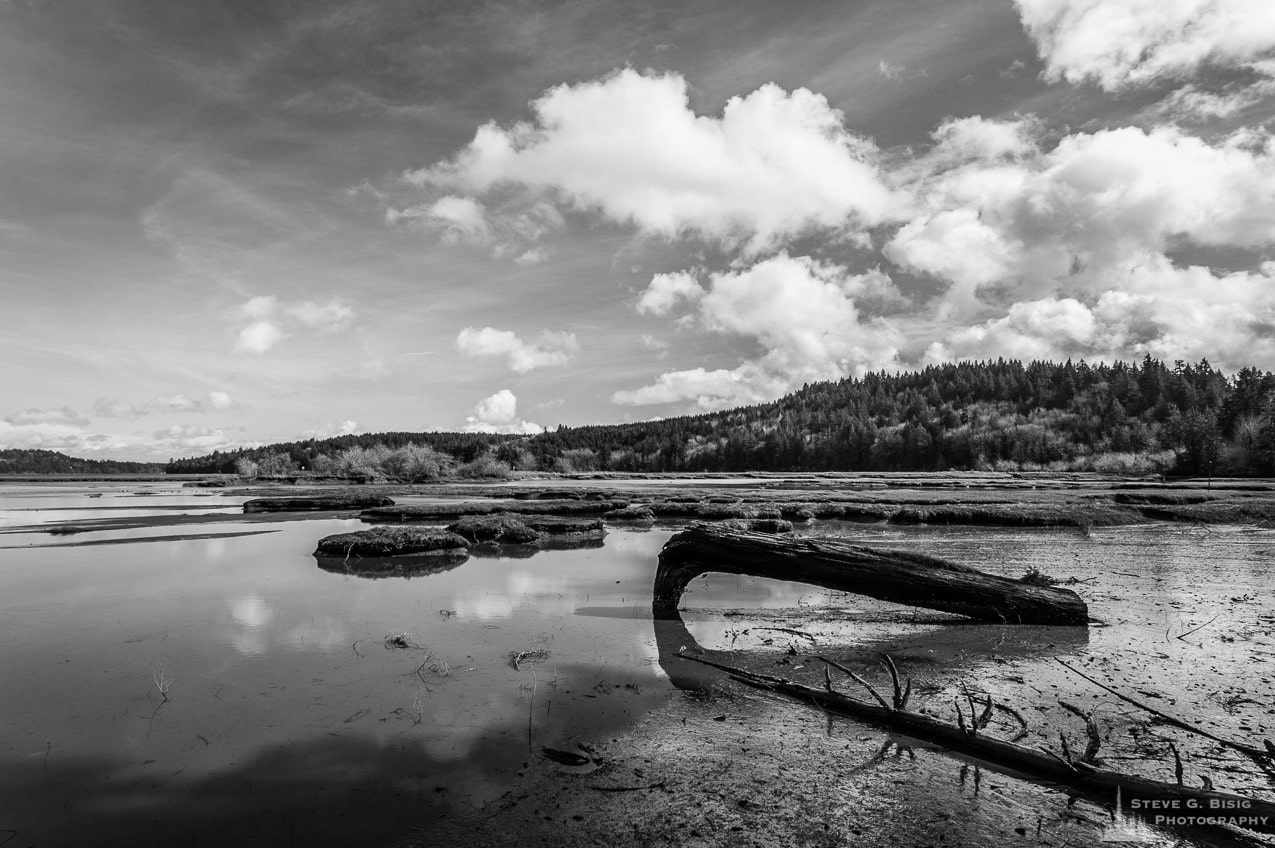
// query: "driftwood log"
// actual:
[[1080, 773], [897, 576]]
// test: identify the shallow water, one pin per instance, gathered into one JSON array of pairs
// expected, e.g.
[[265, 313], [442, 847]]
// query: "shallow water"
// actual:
[[228, 691]]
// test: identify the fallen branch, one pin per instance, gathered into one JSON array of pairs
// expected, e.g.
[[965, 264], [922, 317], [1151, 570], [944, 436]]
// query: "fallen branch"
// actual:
[[1261, 756], [1101, 784], [596, 788], [800, 633]]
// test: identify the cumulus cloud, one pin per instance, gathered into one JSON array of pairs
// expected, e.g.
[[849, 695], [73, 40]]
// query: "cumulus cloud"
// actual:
[[1171, 313], [665, 291], [1030, 221], [1064, 250], [498, 413], [708, 390], [1118, 43], [549, 348], [803, 316], [773, 165], [266, 320]]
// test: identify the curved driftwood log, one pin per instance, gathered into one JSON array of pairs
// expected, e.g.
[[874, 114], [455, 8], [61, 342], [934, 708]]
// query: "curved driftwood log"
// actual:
[[896, 576]]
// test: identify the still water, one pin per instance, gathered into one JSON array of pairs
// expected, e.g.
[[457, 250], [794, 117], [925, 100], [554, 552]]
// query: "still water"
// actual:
[[196, 684]]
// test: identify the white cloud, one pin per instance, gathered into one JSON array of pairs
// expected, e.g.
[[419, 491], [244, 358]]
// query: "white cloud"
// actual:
[[1118, 43], [464, 217], [897, 73], [658, 345], [1069, 218], [498, 413], [267, 319], [509, 230], [43, 435], [976, 138], [348, 427], [891, 72], [214, 401], [534, 256], [329, 317], [1039, 246], [61, 416], [191, 437], [708, 390], [257, 308], [105, 407], [773, 165], [1171, 313], [803, 315], [75, 440], [258, 337], [666, 290], [220, 400], [548, 349]]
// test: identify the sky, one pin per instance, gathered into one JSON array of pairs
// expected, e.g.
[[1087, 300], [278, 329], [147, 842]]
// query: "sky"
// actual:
[[234, 223]]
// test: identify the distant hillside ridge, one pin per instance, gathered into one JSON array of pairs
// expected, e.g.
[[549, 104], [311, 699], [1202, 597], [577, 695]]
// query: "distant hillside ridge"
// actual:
[[19, 461], [995, 415]]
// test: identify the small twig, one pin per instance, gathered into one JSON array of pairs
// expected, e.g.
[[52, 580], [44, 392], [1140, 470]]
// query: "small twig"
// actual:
[[899, 701], [985, 718], [1177, 763], [969, 697], [531, 703], [1201, 627], [162, 682], [789, 630], [857, 679], [1066, 750], [1022, 722], [1091, 728]]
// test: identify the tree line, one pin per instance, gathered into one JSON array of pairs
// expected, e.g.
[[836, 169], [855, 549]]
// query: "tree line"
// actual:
[[1120, 417], [23, 461]]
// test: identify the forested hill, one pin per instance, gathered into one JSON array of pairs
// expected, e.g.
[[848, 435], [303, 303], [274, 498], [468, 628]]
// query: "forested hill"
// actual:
[[14, 461], [1121, 417]]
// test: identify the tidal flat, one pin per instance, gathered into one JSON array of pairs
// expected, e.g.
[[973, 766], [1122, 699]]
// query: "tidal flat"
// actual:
[[181, 671]]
